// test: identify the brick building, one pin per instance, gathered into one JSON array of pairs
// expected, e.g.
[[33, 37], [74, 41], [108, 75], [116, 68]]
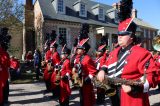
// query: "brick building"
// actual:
[[145, 30], [67, 16]]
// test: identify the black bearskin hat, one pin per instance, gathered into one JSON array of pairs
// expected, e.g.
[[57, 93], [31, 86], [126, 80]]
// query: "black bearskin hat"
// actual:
[[126, 24], [50, 38], [4, 38], [83, 32], [65, 50], [62, 40], [86, 47], [126, 7], [103, 44], [75, 42]]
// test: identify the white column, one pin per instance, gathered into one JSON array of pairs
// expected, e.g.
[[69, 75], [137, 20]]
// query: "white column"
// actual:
[[92, 41], [68, 38], [24, 42], [149, 36], [110, 42], [145, 46]]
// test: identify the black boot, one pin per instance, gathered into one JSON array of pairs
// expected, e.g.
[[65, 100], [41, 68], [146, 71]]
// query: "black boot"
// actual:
[[65, 103]]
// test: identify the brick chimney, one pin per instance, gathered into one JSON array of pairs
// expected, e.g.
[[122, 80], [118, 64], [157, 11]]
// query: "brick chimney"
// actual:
[[28, 28], [134, 13], [29, 4], [115, 5]]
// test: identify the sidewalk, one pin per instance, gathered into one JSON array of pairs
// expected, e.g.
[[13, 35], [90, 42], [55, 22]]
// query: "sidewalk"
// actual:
[[32, 95]]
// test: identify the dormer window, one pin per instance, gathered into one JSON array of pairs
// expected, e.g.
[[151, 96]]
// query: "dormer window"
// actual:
[[60, 6], [98, 10], [82, 10], [101, 14], [80, 7]]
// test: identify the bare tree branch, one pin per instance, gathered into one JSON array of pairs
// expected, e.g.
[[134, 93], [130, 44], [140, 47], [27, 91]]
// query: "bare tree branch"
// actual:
[[11, 12]]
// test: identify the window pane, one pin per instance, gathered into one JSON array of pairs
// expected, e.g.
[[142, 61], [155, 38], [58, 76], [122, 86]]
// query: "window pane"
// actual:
[[60, 5], [63, 33], [82, 11], [101, 13]]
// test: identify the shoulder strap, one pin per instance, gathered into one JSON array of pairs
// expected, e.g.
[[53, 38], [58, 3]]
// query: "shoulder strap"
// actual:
[[146, 67], [81, 58]]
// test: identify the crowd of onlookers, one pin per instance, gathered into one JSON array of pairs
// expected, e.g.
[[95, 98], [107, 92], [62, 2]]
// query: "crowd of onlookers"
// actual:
[[31, 60]]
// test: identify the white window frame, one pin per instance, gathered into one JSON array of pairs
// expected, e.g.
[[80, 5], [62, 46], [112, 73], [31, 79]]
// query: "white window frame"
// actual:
[[116, 16], [60, 6], [82, 9], [63, 29], [145, 33], [101, 14], [66, 32]]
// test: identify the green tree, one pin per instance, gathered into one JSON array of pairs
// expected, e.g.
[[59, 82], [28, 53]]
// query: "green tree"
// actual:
[[11, 12]]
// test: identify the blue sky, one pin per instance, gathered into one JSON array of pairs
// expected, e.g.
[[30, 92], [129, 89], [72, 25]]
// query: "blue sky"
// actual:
[[148, 10]]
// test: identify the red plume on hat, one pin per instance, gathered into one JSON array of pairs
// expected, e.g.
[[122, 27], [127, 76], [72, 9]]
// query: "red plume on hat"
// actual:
[[84, 45], [101, 47], [82, 42], [65, 50], [53, 44], [126, 24], [103, 44], [83, 32]]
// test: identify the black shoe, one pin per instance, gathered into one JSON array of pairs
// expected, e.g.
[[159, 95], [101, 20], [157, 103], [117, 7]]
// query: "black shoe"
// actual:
[[99, 102], [6, 103], [46, 91], [158, 89], [1, 104]]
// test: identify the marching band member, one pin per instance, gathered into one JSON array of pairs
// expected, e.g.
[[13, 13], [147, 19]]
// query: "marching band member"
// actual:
[[4, 65], [131, 62], [101, 56], [52, 58], [156, 58], [87, 71], [65, 72]]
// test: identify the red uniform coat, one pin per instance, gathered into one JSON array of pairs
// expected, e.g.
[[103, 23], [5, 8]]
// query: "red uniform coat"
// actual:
[[100, 61], [55, 60], [88, 68], [65, 90], [48, 55], [4, 74], [29, 57], [134, 69], [14, 64], [157, 61]]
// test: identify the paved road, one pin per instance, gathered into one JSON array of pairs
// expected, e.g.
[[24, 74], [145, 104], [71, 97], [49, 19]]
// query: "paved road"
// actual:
[[32, 95]]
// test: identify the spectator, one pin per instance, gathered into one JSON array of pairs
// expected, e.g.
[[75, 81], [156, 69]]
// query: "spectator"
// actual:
[[14, 67], [29, 56], [29, 59], [37, 63]]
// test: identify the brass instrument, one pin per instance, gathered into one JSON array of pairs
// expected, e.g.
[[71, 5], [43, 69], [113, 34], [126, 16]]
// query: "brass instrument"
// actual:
[[50, 67], [156, 43], [121, 81], [109, 91], [58, 74], [77, 81], [58, 77], [107, 82], [43, 63]]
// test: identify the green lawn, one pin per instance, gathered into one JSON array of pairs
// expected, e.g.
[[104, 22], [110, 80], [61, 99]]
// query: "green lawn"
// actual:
[[27, 75]]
